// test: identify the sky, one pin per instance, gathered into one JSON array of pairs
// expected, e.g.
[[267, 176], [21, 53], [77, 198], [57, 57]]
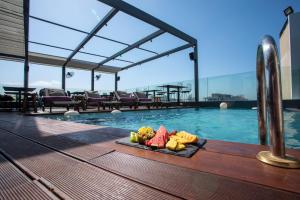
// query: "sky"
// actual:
[[228, 32]]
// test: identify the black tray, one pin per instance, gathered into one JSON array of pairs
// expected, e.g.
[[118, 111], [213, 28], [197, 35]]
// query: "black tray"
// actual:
[[189, 151]]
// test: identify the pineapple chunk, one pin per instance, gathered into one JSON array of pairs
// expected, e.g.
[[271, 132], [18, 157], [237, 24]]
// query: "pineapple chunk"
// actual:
[[180, 147], [172, 144], [187, 137]]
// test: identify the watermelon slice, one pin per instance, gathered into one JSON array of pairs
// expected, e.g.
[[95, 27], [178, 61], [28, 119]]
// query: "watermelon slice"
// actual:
[[160, 139]]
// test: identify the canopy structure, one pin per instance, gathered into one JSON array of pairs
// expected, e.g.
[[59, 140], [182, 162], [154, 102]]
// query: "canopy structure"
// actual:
[[14, 42]]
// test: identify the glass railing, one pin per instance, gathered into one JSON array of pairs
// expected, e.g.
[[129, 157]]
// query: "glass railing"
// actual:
[[233, 87]]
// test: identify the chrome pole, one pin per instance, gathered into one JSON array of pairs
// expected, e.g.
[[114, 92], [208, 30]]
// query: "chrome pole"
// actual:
[[269, 102]]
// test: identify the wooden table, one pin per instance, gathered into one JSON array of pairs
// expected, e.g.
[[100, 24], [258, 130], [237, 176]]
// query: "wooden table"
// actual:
[[18, 91], [154, 92], [177, 87]]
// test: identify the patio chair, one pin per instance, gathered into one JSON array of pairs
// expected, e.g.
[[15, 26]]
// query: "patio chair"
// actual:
[[126, 99], [93, 98], [57, 98], [143, 100]]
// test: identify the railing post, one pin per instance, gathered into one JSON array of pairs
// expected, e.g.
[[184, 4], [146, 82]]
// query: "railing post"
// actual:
[[196, 75]]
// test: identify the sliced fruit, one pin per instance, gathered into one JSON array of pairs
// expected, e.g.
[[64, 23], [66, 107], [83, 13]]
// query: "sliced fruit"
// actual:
[[189, 138], [133, 137], [171, 145]]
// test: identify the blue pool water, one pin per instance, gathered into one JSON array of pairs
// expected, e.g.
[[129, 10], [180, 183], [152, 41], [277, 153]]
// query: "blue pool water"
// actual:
[[236, 125]]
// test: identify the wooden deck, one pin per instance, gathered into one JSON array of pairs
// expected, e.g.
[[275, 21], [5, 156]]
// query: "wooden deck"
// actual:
[[80, 161]]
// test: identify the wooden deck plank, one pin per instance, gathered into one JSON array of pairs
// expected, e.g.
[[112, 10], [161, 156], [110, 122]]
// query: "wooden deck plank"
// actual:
[[232, 160], [76, 179], [15, 185]]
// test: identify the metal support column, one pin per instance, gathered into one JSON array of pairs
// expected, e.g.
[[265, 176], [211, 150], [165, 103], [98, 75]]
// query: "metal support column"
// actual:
[[196, 73], [93, 80], [116, 81], [26, 32], [63, 78]]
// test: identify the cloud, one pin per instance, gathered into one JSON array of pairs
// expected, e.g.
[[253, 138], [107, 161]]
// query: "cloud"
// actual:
[[52, 83]]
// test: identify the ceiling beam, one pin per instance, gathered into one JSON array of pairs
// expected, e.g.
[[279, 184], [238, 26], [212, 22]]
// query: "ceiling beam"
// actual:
[[139, 14], [159, 56], [135, 45], [102, 23]]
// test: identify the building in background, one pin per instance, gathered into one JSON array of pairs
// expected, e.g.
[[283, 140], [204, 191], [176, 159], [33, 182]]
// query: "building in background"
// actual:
[[290, 55]]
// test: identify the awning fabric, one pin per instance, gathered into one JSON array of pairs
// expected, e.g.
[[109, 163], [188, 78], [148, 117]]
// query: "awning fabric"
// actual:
[[12, 28]]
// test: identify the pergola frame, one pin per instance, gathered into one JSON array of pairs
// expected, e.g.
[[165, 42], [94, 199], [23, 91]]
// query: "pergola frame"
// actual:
[[116, 5]]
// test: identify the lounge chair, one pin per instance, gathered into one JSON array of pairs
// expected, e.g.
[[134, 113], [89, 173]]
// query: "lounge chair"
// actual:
[[143, 100], [93, 98], [126, 99], [57, 98]]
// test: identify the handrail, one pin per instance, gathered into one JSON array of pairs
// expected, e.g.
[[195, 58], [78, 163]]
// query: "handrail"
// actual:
[[269, 96], [269, 103]]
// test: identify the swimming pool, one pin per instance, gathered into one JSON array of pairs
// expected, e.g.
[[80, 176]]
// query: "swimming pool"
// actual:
[[236, 125]]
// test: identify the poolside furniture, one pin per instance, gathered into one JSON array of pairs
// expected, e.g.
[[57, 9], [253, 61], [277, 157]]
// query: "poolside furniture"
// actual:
[[24, 94], [126, 99], [143, 100], [153, 91], [57, 98], [177, 87], [93, 98], [6, 101]]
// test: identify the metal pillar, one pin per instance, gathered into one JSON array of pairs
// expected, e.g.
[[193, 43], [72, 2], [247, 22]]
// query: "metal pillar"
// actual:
[[26, 32], [116, 81], [63, 78], [196, 73], [93, 80]]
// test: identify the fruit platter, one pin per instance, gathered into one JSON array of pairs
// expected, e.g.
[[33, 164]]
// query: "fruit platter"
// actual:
[[180, 143]]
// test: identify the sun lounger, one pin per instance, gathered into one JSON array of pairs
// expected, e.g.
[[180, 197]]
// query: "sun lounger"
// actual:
[[57, 98], [143, 100], [93, 98], [126, 99]]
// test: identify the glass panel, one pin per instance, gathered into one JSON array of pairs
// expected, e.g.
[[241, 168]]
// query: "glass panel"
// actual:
[[42, 76], [102, 47], [54, 35], [48, 50], [232, 87], [80, 14], [163, 43], [127, 29], [11, 74], [136, 55]]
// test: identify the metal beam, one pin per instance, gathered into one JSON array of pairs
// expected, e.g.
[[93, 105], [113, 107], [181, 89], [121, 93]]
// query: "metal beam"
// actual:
[[81, 31], [102, 23], [26, 32], [139, 14], [116, 81], [63, 77], [159, 55], [134, 45], [92, 79], [196, 78], [83, 52]]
